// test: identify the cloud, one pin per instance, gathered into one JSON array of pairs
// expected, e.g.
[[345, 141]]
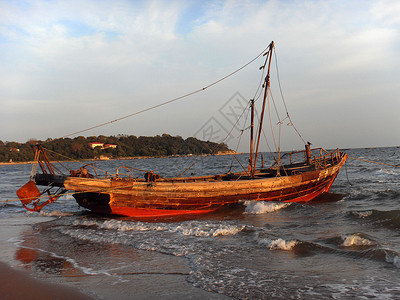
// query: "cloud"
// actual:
[[95, 61], [387, 11]]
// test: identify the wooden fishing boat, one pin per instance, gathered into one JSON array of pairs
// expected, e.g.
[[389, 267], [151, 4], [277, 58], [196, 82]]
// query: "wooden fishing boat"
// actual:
[[156, 196]]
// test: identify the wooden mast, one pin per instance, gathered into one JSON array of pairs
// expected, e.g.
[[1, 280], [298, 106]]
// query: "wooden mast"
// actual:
[[251, 137], [267, 84]]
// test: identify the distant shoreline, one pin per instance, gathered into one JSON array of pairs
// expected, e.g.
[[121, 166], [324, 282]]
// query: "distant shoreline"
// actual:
[[123, 158]]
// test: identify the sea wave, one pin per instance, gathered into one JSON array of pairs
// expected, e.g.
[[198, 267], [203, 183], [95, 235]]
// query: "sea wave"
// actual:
[[278, 244], [357, 239], [364, 214], [206, 230], [382, 255], [393, 259], [262, 207], [373, 193], [389, 219], [357, 194], [361, 246], [118, 225], [193, 228], [385, 172], [55, 213], [9, 204]]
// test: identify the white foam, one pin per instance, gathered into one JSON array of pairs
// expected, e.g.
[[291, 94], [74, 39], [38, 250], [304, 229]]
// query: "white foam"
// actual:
[[383, 172], [356, 240], [197, 229], [350, 291], [150, 242], [130, 226], [232, 230], [205, 230], [55, 213], [364, 214], [278, 244], [68, 197], [262, 207], [87, 223], [115, 225], [394, 260]]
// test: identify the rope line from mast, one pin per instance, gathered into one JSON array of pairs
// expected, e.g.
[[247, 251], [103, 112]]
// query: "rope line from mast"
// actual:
[[278, 148], [374, 162], [283, 98], [169, 101], [241, 132]]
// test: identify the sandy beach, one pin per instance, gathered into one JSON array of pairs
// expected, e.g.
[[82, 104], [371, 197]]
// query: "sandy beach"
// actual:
[[15, 281], [29, 269], [19, 284]]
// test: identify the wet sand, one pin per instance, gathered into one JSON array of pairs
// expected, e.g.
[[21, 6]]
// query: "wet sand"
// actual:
[[18, 284], [29, 270]]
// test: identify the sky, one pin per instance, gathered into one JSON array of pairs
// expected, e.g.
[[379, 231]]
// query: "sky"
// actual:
[[66, 66]]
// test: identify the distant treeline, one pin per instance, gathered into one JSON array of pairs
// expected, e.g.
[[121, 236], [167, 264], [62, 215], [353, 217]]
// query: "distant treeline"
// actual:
[[126, 146]]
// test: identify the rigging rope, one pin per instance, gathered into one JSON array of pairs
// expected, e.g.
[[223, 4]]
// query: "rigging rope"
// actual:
[[283, 98], [270, 122], [347, 175], [59, 154], [169, 101], [241, 132], [373, 162]]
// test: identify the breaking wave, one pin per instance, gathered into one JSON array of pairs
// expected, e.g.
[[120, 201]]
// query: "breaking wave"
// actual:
[[262, 207], [357, 239], [55, 213], [278, 244], [385, 172], [362, 246], [393, 259], [193, 228], [389, 219]]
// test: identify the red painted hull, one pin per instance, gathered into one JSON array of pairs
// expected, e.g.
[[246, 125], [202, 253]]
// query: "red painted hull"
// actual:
[[151, 213], [202, 195]]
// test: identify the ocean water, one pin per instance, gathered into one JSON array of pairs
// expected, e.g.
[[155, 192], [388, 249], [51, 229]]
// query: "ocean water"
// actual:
[[344, 245]]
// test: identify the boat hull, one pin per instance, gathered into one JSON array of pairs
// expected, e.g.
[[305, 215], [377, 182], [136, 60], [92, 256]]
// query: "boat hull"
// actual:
[[170, 198]]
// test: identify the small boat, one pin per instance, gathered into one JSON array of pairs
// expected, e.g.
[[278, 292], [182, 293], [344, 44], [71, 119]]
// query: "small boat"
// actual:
[[287, 180]]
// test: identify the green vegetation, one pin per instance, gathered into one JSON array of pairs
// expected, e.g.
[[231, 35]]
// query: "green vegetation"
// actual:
[[126, 146]]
